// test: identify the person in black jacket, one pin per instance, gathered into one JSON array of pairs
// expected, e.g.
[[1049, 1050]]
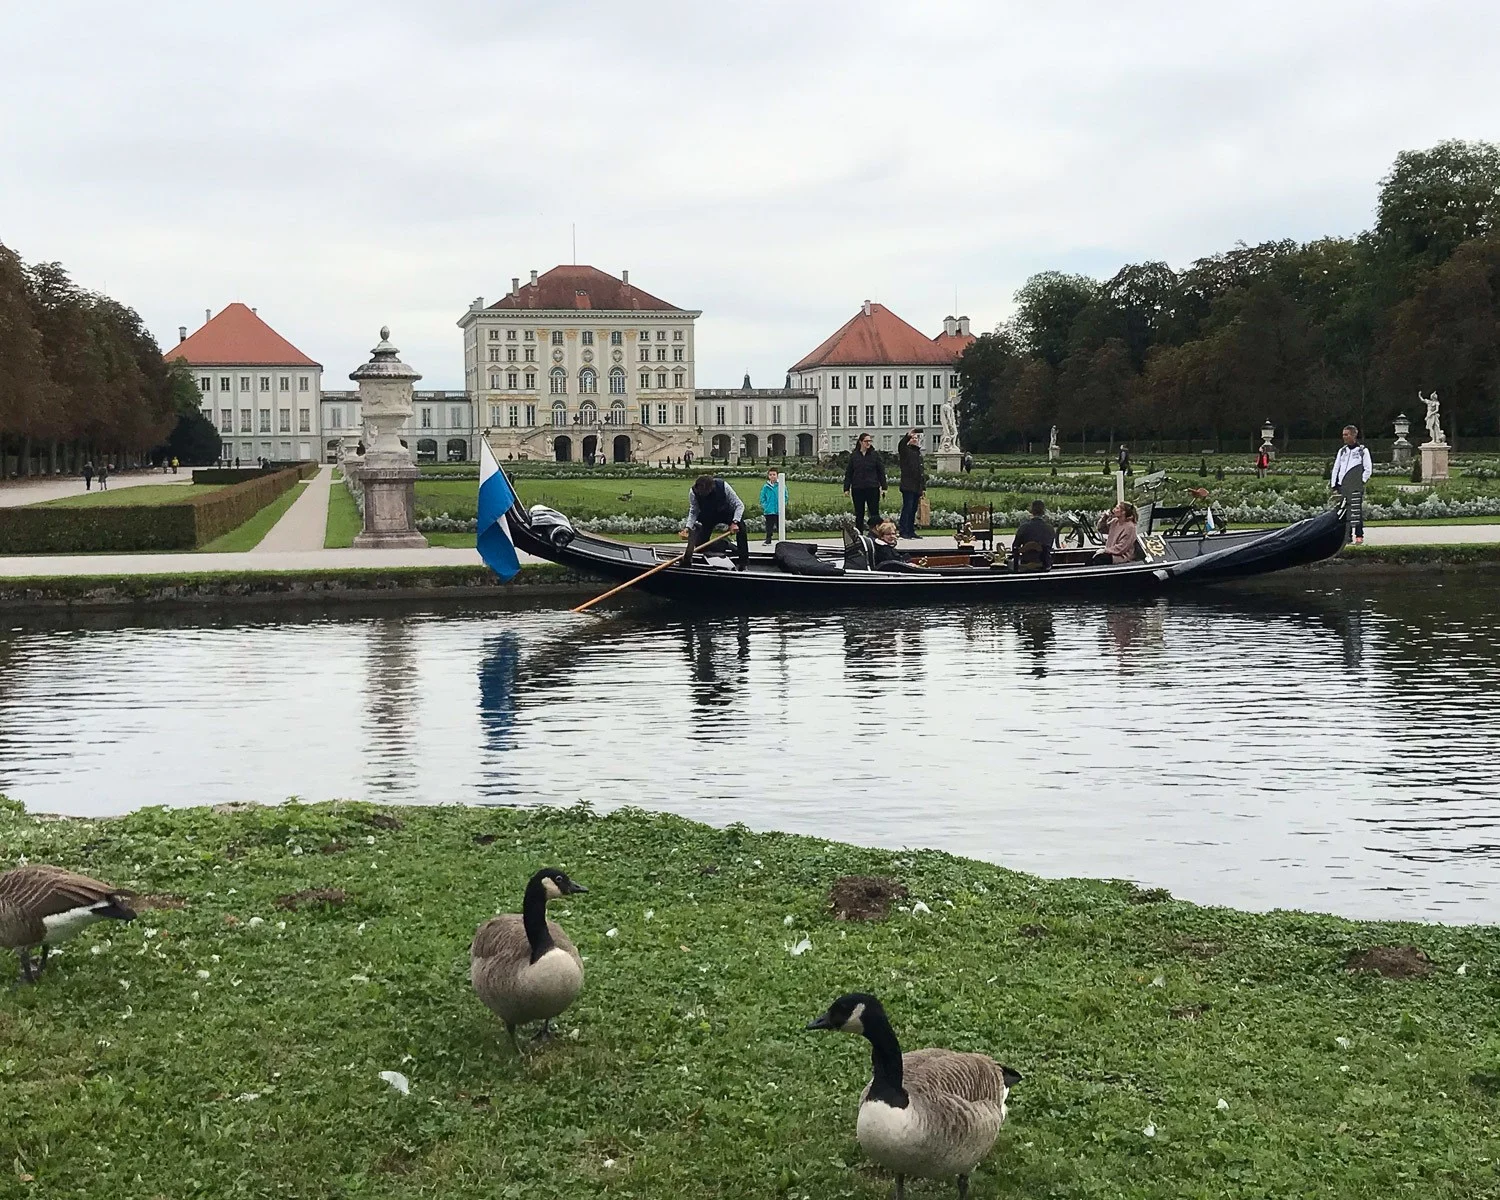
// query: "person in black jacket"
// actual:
[[913, 481], [1032, 549], [712, 502], [864, 480]]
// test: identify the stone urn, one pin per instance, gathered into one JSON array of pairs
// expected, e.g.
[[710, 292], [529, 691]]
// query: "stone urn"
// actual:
[[387, 474]]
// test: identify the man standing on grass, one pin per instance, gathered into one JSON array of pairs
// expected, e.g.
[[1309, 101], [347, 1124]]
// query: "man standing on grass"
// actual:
[[1351, 471], [864, 481], [913, 482]]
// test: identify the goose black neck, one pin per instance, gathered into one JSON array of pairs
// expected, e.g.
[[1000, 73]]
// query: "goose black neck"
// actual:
[[534, 919], [885, 1058]]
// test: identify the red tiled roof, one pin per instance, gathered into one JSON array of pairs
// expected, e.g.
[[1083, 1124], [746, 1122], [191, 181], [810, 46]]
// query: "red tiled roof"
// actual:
[[239, 338], [580, 287], [954, 344], [876, 338]]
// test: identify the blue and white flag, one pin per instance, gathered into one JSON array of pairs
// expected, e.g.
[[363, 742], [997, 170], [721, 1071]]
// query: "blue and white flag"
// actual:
[[492, 532]]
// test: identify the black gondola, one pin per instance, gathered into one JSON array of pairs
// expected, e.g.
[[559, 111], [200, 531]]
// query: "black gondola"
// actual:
[[797, 575]]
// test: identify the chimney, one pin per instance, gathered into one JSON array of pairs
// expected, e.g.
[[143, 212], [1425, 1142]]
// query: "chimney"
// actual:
[[181, 334], [254, 312], [963, 326], [208, 315], [625, 277], [533, 279], [867, 308], [950, 326], [515, 284]]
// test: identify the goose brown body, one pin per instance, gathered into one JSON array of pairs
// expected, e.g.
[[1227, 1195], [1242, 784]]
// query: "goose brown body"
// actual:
[[43, 905], [513, 987]]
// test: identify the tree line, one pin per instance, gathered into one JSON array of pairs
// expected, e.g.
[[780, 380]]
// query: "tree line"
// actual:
[[80, 376], [1310, 336]]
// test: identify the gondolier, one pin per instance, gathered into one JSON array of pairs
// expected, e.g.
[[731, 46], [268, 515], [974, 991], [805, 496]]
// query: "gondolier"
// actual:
[[1351, 471], [712, 502]]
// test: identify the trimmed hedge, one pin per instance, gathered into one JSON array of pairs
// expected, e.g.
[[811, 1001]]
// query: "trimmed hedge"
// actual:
[[226, 475], [182, 526]]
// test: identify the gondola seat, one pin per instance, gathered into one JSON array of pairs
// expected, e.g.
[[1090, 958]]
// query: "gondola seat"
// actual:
[[801, 558]]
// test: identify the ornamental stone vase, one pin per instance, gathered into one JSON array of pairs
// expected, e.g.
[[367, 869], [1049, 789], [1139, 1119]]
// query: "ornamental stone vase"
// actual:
[[387, 475]]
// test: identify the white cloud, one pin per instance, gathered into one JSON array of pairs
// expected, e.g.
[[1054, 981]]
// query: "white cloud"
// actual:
[[346, 165]]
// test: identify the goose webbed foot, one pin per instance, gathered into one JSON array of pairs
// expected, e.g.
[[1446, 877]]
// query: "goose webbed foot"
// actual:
[[29, 969], [544, 1033], [963, 1187]]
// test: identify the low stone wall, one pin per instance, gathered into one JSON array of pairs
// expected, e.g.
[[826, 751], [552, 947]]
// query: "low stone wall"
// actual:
[[360, 584]]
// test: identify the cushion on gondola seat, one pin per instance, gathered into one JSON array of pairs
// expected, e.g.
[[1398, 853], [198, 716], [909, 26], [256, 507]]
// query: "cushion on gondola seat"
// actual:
[[801, 558]]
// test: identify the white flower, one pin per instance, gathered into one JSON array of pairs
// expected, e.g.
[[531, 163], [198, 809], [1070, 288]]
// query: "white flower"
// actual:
[[787, 921], [1150, 1130], [1223, 1105], [573, 1034], [980, 889], [195, 996], [755, 861], [797, 949], [650, 912], [202, 974], [359, 979], [397, 1081], [611, 933], [96, 949], [244, 1096], [1463, 969], [254, 921], [280, 924], [213, 958], [1159, 981], [1342, 1043], [124, 983], [609, 1162], [918, 908], [150, 933]]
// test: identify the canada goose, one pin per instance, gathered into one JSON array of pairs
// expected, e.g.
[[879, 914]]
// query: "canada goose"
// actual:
[[42, 906], [928, 1113], [524, 967], [626, 495]]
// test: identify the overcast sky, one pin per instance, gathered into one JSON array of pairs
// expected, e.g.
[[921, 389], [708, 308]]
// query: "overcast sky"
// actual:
[[341, 166]]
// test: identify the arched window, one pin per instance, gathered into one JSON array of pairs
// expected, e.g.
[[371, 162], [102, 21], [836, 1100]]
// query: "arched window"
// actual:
[[588, 414], [559, 413], [617, 381], [588, 382], [559, 382], [617, 413]]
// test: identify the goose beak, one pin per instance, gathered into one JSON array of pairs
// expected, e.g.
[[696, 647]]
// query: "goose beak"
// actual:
[[575, 887], [819, 1023]]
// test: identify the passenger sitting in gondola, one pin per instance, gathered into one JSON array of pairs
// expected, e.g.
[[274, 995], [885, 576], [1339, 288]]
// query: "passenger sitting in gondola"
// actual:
[[1032, 548], [886, 556], [712, 502], [1120, 526]]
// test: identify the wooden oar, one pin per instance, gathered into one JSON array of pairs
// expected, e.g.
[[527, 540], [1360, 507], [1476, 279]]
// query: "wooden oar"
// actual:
[[671, 562]]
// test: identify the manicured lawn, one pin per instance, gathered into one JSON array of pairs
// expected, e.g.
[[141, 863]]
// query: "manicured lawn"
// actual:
[[132, 497], [231, 1043], [248, 535], [343, 519]]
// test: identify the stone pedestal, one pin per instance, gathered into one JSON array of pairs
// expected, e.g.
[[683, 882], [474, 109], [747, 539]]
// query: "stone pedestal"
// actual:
[[390, 508], [1401, 453], [1434, 463], [1054, 453], [950, 461], [387, 476]]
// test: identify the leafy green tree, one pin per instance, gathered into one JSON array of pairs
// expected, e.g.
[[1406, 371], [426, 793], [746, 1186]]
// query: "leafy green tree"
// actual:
[[1435, 200], [1047, 305], [25, 386]]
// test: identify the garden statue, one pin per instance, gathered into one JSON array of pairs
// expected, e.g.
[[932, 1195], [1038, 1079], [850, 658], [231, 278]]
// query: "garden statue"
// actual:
[[949, 442], [387, 474], [1435, 449], [1434, 429], [1054, 451], [1401, 451]]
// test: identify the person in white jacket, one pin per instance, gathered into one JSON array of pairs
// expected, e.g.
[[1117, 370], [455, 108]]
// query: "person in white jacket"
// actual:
[[1351, 471]]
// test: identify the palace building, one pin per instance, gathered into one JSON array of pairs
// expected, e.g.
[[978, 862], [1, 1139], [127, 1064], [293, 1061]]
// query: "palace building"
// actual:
[[259, 390], [578, 364], [878, 375]]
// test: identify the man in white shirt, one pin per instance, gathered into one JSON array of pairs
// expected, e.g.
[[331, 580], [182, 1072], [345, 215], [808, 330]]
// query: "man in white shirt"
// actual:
[[1351, 471]]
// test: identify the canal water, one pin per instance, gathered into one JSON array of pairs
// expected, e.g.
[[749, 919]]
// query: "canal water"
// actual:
[[1323, 748]]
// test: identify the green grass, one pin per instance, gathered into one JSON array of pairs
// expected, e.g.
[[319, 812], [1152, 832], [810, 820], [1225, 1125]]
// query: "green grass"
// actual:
[[248, 535], [232, 1048], [344, 521], [146, 494]]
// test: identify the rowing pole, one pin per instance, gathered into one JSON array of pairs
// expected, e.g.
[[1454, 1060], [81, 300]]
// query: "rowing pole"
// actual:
[[671, 562]]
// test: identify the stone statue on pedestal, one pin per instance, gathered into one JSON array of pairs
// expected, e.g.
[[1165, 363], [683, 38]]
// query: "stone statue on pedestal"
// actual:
[[1054, 451], [387, 475], [1434, 428], [1435, 449], [948, 443]]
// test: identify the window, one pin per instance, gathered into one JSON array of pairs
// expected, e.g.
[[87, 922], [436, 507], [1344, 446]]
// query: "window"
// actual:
[[644, 335], [223, 383], [901, 415], [302, 383], [645, 414], [510, 335], [559, 413], [645, 353], [494, 354], [205, 384], [265, 383], [953, 381], [531, 354], [244, 420], [661, 335], [937, 414], [495, 413], [510, 354], [661, 355], [679, 414], [588, 414], [265, 420], [885, 381], [513, 415], [244, 383], [286, 383], [616, 413], [494, 335], [921, 381], [885, 414], [869, 414], [833, 383], [661, 379], [557, 337], [559, 385], [677, 335], [510, 380], [677, 378], [870, 383], [645, 380], [718, 414], [833, 415], [588, 337], [494, 381], [801, 414], [852, 383], [588, 381], [530, 385], [853, 416], [661, 414], [335, 418], [456, 418], [530, 335], [226, 420], [616, 337], [885, 441], [677, 355], [903, 381], [531, 414], [921, 417], [426, 418], [749, 415], [304, 420]]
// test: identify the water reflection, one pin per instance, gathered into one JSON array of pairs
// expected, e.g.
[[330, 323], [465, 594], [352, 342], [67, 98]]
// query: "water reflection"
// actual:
[[1293, 746]]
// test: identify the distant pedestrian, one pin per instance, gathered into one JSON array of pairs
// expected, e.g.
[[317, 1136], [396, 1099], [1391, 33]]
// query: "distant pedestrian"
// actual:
[[88, 476], [174, 464], [1262, 464], [913, 482], [1351, 471], [104, 477], [864, 481], [966, 462], [770, 506], [1124, 460], [236, 462]]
